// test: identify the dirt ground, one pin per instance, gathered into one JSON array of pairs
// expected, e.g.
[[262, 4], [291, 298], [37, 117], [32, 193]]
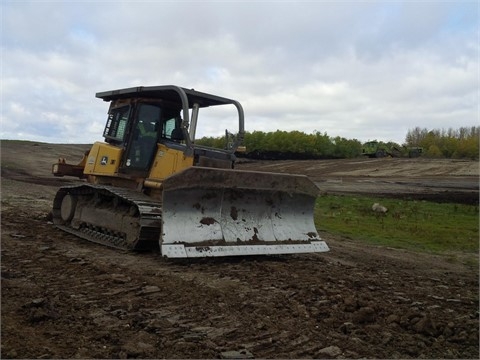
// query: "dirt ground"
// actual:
[[67, 298]]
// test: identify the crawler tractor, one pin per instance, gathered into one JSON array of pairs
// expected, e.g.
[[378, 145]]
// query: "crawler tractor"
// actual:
[[375, 149], [149, 185]]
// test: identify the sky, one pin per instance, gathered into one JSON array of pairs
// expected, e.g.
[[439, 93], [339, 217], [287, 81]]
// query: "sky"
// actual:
[[360, 70]]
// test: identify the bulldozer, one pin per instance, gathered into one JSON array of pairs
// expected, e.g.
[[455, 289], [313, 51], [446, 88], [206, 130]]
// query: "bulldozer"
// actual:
[[149, 185], [375, 149]]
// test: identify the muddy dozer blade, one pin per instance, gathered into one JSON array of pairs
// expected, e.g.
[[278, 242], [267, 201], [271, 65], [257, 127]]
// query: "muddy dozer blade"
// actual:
[[218, 212]]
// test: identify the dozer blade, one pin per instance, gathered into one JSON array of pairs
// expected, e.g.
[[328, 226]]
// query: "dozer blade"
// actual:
[[218, 212]]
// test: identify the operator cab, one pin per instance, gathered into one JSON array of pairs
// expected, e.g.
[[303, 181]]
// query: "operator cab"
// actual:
[[138, 127], [141, 118]]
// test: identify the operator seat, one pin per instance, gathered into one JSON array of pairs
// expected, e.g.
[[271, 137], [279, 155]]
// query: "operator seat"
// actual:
[[177, 134]]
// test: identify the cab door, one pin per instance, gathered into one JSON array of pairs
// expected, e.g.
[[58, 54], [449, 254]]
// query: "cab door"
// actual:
[[142, 145]]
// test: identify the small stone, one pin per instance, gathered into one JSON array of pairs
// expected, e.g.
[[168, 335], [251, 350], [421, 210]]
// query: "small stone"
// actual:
[[350, 304], [447, 332], [241, 354], [386, 338], [18, 236], [35, 303], [364, 315], [149, 289], [379, 208], [12, 354], [346, 327], [194, 336], [425, 326], [454, 300], [330, 351], [393, 319]]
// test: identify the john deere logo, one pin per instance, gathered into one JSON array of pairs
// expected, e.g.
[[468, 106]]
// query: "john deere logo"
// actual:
[[104, 160]]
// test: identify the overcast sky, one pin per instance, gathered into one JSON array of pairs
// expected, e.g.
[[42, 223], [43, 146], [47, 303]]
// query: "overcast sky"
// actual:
[[356, 69]]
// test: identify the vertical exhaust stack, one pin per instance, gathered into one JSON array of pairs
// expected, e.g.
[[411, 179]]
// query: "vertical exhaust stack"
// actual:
[[217, 212]]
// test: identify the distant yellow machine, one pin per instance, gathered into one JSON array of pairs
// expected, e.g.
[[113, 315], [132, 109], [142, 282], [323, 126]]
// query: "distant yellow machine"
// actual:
[[150, 185]]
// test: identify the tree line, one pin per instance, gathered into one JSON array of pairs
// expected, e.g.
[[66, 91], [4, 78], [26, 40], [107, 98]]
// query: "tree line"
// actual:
[[458, 143], [452, 143]]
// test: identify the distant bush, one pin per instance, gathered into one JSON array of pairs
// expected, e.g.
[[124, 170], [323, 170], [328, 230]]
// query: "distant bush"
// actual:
[[452, 143], [292, 145], [460, 143]]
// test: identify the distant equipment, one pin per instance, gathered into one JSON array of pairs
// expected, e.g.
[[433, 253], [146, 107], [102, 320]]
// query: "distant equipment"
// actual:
[[376, 149]]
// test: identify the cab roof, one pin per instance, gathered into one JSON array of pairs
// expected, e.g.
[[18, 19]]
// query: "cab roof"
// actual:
[[172, 93]]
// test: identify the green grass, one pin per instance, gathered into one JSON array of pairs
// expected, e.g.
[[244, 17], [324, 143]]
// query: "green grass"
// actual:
[[408, 224]]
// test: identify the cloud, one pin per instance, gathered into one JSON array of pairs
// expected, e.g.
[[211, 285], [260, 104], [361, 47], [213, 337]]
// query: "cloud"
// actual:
[[364, 70]]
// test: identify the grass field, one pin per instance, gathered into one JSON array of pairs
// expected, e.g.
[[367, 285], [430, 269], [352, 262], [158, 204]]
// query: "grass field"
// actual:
[[408, 224]]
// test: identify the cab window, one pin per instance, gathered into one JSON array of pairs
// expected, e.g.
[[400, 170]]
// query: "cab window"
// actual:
[[172, 129], [168, 127], [116, 125]]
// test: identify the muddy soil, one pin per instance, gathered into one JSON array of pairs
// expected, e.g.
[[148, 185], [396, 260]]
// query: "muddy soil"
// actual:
[[66, 298]]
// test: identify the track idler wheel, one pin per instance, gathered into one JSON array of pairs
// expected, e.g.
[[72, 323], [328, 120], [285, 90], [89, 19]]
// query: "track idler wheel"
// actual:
[[67, 208]]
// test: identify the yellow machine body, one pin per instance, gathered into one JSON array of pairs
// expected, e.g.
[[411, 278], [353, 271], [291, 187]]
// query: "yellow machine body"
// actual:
[[104, 160], [167, 162]]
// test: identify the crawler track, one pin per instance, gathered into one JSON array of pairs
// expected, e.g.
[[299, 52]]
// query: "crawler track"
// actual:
[[111, 216]]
